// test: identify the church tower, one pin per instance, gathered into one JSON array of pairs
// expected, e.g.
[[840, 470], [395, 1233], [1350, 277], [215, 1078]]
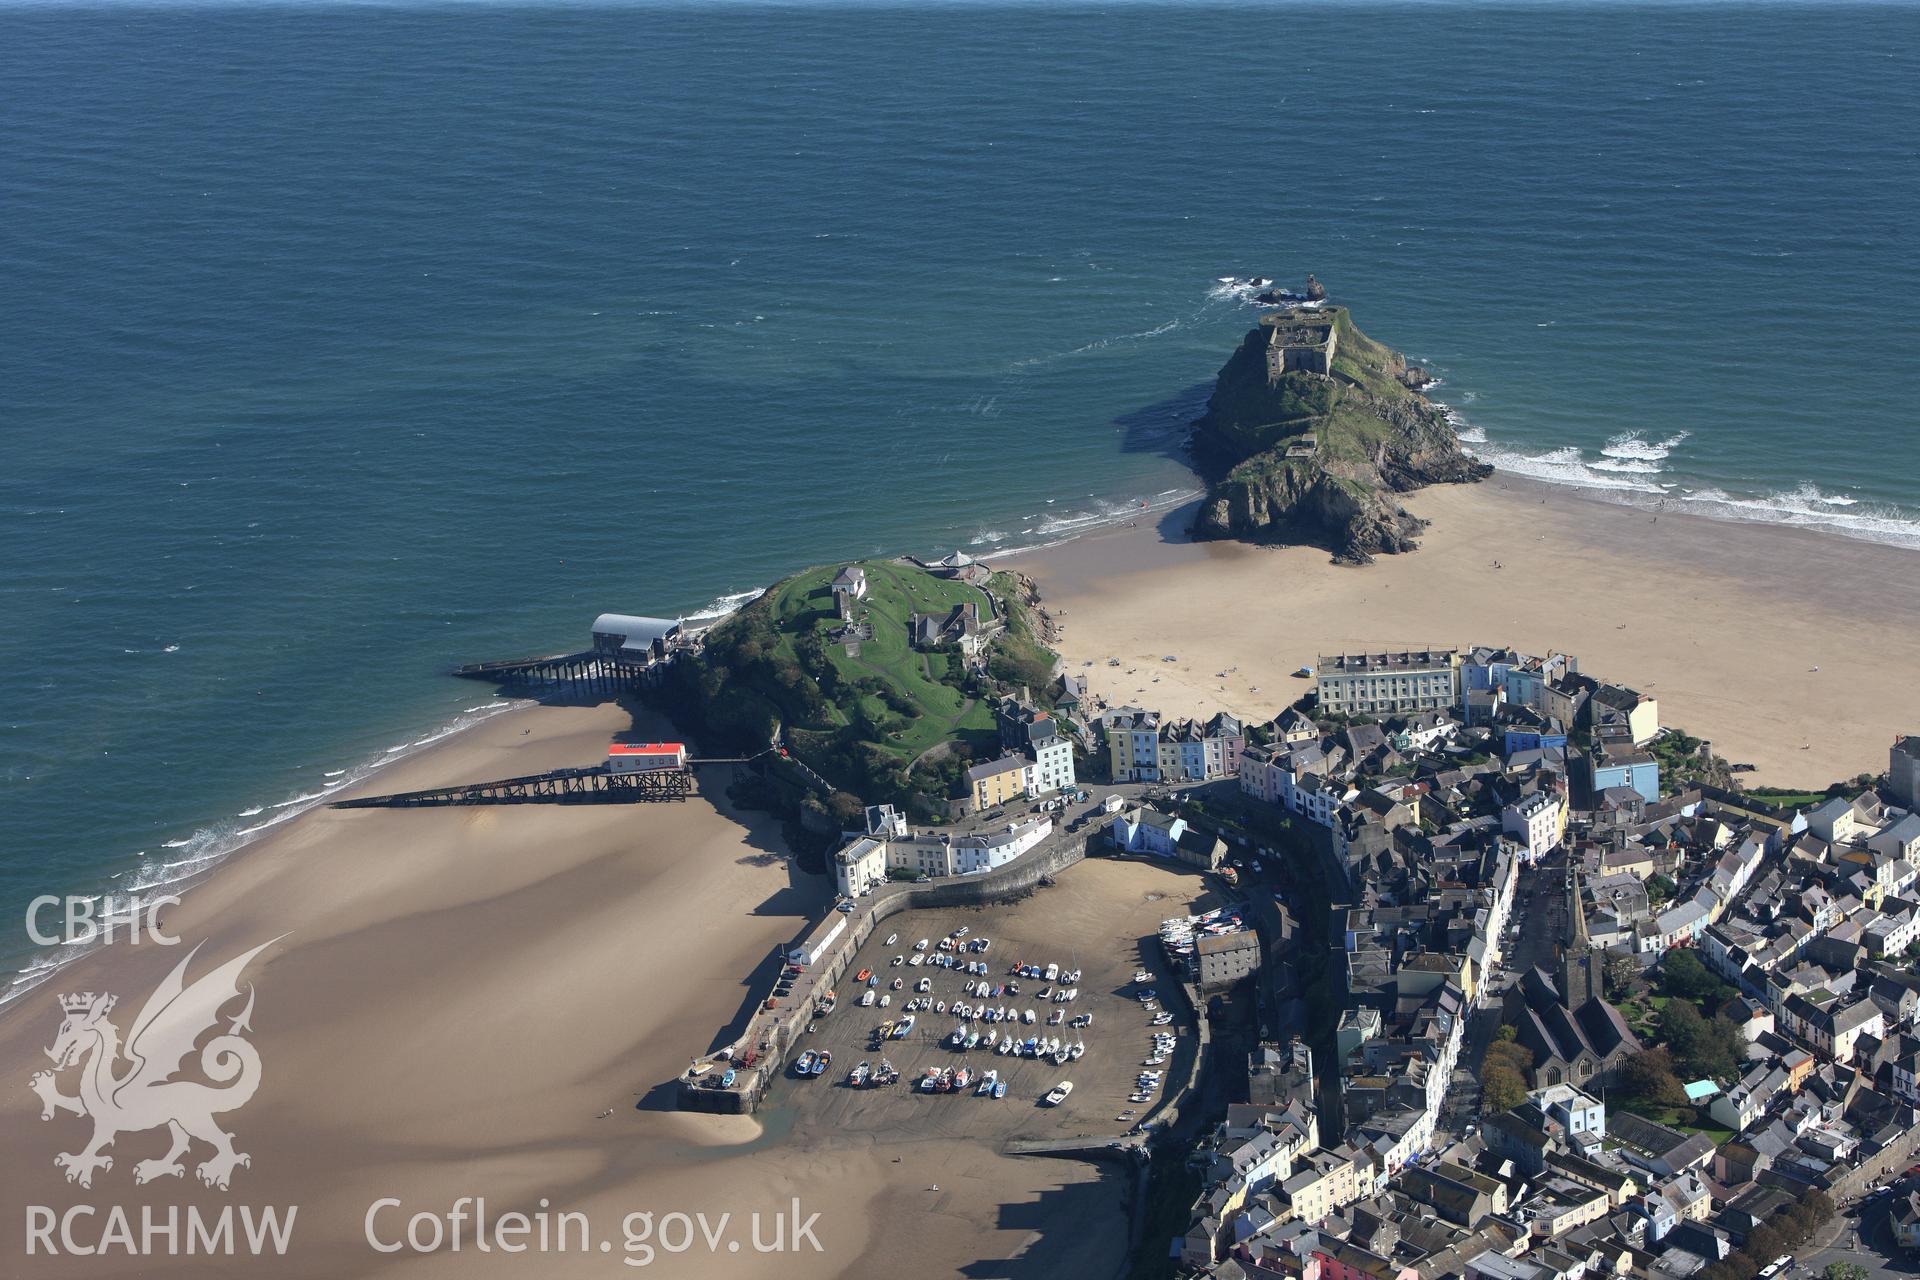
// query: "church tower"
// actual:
[[1580, 980]]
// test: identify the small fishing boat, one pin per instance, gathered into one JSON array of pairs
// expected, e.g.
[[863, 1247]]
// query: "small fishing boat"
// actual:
[[885, 1000], [727, 1079], [1058, 1094], [961, 1079], [858, 1076], [973, 1038], [987, 1082], [930, 1081], [803, 1065], [892, 938], [903, 1028], [822, 1062], [868, 998], [1000, 1089]]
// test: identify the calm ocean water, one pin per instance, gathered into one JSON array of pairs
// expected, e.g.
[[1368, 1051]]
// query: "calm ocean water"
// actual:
[[346, 343]]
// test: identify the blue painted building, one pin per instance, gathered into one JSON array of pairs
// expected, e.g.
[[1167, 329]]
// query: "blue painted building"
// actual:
[[1533, 739], [1641, 772]]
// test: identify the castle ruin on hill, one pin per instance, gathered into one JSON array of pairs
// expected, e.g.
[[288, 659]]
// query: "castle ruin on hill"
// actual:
[[1299, 341]]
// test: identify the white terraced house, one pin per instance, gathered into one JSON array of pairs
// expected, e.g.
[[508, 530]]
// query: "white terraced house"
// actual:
[[1388, 684]]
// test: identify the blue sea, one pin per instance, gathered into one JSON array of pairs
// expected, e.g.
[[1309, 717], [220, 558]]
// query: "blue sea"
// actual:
[[343, 344]]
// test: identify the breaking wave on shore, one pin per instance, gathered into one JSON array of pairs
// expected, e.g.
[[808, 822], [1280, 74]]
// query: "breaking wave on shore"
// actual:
[[721, 606], [1050, 530], [187, 859], [1634, 468]]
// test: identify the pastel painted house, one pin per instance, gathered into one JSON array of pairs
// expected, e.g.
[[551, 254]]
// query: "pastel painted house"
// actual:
[[1637, 771]]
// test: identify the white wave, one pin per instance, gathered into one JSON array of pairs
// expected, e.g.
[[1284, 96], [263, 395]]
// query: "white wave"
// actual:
[[1807, 508], [1566, 466], [172, 648], [209, 846], [1631, 446], [721, 606], [1072, 523], [987, 538], [334, 773], [1631, 465]]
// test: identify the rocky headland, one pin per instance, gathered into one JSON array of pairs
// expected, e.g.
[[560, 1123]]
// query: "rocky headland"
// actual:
[[1312, 431]]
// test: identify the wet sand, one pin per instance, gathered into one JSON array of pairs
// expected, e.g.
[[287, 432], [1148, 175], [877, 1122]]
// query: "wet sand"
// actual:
[[1722, 621], [494, 1002], [465, 1002]]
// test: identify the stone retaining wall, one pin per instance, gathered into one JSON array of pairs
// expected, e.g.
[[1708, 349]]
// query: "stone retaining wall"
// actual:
[[778, 1029]]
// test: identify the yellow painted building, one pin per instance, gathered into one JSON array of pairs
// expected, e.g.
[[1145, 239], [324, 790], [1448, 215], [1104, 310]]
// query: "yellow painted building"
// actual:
[[997, 781]]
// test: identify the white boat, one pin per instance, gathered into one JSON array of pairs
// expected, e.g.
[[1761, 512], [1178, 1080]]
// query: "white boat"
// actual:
[[958, 1038], [920, 945], [892, 938], [973, 1038], [1061, 1057], [993, 1038], [940, 1007], [916, 960], [1079, 1048], [886, 999], [867, 998], [987, 1082], [902, 1028], [1026, 1016], [859, 1075], [930, 1081], [1053, 972], [1058, 1094]]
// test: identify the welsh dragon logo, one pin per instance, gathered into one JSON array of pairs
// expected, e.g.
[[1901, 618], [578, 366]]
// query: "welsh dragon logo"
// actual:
[[144, 1095]]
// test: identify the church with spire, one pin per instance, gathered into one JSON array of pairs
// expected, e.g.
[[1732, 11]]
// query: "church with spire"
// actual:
[[1576, 1036]]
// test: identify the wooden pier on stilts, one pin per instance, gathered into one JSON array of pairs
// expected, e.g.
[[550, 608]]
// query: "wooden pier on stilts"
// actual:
[[562, 786]]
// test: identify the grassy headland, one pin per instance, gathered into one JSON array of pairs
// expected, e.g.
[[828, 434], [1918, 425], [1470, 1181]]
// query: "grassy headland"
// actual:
[[879, 718]]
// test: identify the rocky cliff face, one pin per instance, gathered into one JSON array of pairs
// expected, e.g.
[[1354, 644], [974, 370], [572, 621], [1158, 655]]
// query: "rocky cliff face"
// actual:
[[1318, 458]]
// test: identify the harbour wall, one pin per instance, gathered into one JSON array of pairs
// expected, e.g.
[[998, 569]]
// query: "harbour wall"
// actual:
[[772, 1033]]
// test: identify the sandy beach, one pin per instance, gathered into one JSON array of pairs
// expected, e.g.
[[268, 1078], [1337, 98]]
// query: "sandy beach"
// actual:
[[1724, 622], [493, 1002]]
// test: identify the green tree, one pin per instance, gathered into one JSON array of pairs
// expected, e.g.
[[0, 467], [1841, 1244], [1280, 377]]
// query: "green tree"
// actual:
[[1621, 972], [1501, 1088], [1660, 889], [1845, 1271], [1682, 975], [1648, 1077]]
